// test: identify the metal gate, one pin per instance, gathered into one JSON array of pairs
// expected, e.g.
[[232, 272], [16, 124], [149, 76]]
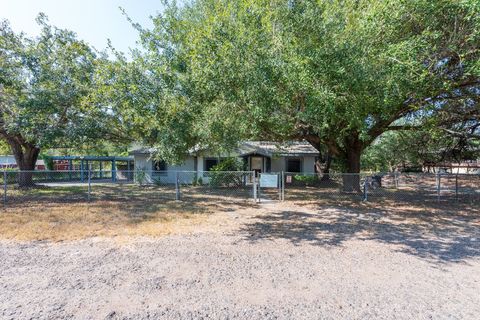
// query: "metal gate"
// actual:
[[270, 187]]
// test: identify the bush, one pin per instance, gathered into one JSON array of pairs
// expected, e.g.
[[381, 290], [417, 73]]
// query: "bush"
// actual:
[[224, 173], [140, 176], [229, 164], [48, 161], [307, 180]]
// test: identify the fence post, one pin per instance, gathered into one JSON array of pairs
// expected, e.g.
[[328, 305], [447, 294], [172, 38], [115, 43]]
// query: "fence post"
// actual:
[[456, 187], [5, 187], [395, 179], [254, 187], [365, 189], [279, 177], [89, 184], [177, 187], [438, 186], [283, 186], [259, 189]]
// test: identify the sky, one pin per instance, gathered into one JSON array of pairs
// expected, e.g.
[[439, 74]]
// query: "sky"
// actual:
[[94, 21]]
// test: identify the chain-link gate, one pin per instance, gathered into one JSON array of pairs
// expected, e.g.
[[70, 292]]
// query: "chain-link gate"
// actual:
[[270, 187]]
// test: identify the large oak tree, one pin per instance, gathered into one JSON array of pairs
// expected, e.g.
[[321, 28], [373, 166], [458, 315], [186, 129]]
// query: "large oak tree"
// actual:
[[44, 86], [336, 73]]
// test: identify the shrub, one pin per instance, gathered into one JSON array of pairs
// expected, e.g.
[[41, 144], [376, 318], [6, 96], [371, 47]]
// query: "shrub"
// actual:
[[48, 161], [140, 176], [307, 180], [224, 173]]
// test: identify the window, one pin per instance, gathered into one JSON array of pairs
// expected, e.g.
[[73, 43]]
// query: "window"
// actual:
[[159, 166], [294, 165], [210, 163]]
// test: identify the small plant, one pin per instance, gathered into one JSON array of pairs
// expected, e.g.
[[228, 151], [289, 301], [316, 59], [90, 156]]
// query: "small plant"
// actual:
[[140, 176], [200, 181], [48, 161], [223, 174], [307, 180]]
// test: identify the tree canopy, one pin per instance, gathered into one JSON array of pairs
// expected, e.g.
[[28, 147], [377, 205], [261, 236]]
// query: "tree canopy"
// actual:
[[45, 84], [336, 73]]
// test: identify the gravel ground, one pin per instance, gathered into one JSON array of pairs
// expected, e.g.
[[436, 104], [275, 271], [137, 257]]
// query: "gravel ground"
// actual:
[[272, 263]]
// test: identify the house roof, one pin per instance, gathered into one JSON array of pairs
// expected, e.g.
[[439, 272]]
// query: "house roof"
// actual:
[[270, 148], [264, 148]]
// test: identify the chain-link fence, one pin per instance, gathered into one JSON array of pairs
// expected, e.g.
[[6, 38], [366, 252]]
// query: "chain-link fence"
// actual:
[[395, 186], [26, 188]]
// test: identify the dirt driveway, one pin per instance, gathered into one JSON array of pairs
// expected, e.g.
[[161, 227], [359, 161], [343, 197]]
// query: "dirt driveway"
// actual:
[[280, 261]]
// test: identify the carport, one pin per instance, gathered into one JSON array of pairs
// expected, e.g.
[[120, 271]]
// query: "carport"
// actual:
[[84, 164]]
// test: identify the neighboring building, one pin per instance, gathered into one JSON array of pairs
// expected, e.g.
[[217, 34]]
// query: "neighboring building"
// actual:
[[258, 156], [464, 167], [8, 162]]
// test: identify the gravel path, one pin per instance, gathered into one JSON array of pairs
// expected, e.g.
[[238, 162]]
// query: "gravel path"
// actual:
[[282, 263]]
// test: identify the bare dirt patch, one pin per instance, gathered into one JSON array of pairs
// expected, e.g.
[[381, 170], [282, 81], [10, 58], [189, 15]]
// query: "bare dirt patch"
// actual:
[[275, 261]]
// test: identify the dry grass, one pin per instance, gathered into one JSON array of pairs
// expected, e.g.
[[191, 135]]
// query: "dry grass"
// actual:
[[63, 213], [61, 222]]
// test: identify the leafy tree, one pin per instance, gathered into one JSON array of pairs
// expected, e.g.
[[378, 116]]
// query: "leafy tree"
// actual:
[[418, 148], [336, 73], [4, 148], [44, 83]]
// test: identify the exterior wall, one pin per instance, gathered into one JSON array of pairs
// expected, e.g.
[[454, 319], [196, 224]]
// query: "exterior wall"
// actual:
[[143, 162], [278, 164], [200, 163], [309, 164]]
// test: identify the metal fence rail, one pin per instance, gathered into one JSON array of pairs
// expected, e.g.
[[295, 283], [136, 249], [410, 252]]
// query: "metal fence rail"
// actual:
[[25, 188], [36, 187], [394, 186]]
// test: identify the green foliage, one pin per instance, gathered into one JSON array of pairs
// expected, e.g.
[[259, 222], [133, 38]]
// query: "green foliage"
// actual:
[[408, 150], [306, 179], [48, 162], [5, 148], [229, 164], [140, 176], [337, 73], [225, 173], [45, 85]]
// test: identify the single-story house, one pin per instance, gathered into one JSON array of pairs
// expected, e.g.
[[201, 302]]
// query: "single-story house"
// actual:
[[258, 156]]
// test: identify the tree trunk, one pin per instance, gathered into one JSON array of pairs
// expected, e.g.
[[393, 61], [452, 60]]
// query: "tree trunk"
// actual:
[[323, 169], [351, 178], [26, 155], [328, 163]]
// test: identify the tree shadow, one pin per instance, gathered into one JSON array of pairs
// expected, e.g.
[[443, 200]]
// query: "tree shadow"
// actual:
[[440, 236]]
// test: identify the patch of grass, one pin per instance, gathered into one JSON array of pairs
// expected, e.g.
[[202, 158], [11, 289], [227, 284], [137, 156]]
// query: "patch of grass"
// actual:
[[102, 219], [60, 213]]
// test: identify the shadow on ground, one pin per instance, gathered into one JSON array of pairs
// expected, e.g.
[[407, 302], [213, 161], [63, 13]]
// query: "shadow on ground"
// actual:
[[438, 235]]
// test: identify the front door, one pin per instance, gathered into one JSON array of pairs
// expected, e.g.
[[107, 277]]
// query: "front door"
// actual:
[[256, 164]]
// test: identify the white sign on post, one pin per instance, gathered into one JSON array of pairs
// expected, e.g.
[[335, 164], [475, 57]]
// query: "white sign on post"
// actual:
[[268, 180]]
